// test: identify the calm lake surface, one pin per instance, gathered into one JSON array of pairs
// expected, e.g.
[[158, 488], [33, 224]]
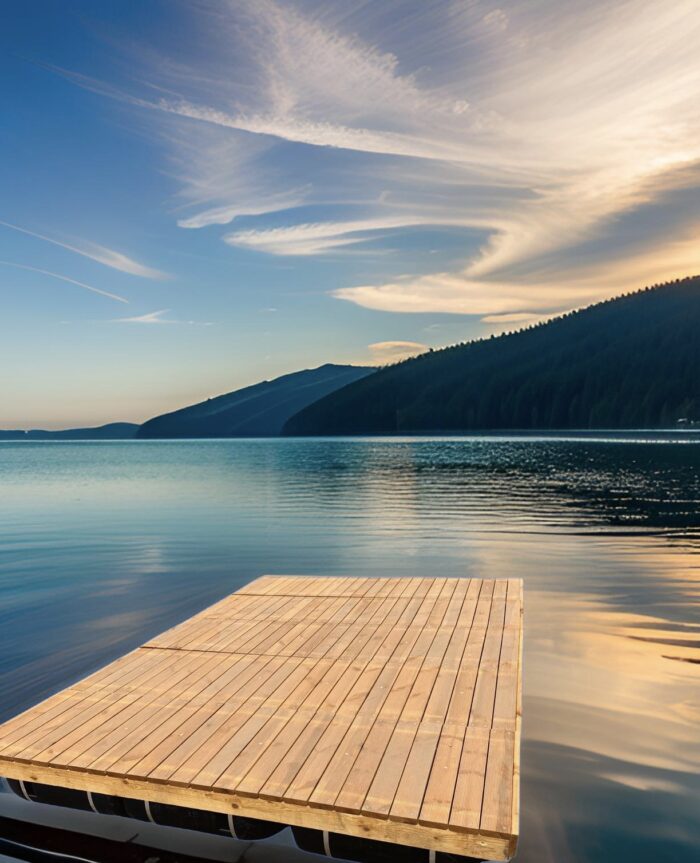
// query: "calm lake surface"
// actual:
[[103, 545]]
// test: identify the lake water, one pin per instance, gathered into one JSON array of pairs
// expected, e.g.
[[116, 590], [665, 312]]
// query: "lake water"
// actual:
[[105, 544]]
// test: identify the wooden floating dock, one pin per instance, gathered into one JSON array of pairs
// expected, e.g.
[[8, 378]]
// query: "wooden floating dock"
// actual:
[[384, 708]]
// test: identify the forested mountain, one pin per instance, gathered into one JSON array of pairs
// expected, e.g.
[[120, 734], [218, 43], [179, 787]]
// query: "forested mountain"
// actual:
[[111, 431], [256, 411], [629, 362]]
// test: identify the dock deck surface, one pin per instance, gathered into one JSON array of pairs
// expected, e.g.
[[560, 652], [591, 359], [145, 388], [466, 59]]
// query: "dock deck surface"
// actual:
[[386, 708]]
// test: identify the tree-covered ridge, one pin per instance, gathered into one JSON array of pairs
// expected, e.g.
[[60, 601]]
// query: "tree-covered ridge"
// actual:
[[260, 410], [629, 362]]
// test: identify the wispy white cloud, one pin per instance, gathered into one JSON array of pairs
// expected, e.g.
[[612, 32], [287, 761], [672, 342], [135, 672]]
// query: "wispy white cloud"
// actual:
[[226, 176], [225, 214], [101, 254], [70, 281], [537, 127], [552, 291], [453, 293], [319, 133], [319, 237], [382, 353], [157, 317]]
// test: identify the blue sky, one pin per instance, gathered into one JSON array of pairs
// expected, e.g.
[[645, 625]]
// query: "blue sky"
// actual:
[[200, 195]]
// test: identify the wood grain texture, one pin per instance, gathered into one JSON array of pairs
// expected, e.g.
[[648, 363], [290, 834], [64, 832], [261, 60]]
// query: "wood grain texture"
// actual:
[[385, 708]]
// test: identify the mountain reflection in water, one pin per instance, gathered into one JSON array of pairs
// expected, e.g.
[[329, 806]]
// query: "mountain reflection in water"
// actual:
[[106, 544]]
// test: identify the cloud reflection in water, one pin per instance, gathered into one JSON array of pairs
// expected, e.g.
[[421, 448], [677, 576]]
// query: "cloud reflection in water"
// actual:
[[108, 544]]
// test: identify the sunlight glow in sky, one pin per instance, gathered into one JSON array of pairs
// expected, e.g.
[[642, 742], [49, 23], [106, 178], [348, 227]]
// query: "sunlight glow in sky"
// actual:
[[200, 195]]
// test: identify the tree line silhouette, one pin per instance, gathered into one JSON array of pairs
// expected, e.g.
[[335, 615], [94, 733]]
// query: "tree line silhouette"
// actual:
[[629, 362]]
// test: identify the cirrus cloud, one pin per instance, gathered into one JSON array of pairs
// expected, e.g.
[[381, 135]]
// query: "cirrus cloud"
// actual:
[[558, 125], [101, 254], [66, 279], [156, 318]]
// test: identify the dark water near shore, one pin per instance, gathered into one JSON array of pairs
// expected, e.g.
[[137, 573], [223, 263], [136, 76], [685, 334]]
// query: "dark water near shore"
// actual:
[[105, 544]]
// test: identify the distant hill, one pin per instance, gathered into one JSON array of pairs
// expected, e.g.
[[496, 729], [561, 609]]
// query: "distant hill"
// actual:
[[629, 362], [260, 410], [111, 431]]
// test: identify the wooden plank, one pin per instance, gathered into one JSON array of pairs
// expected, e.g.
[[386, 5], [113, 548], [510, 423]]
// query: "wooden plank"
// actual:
[[380, 795], [469, 789], [261, 676], [148, 751], [81, 707], [243, 750], [395, 644], [484, 699], [332, 789], [24, 723], [90, 737], [217, 633], [282, 760], [375, 626], [413, 786], [259, 735], [381, 707], [463, 693], [515, 814], [506, 701], [196, 754], [496, 807], [148, 721], [440, 788]]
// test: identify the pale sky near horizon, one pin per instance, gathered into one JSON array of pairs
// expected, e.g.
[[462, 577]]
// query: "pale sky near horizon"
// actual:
[[200, 194]]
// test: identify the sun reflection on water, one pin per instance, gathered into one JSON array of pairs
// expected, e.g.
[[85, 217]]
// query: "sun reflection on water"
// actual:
[[106, 545]]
